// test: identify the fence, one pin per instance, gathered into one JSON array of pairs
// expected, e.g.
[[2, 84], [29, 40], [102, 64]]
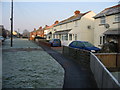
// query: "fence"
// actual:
[[110, 60], [102, 76]]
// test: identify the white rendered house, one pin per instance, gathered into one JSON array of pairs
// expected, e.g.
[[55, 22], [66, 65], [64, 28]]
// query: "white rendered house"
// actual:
[[77, 27]]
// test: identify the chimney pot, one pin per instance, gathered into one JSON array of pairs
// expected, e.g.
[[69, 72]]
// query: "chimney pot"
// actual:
[[77, 12], [34, 29], [40, 27], [56, 22]]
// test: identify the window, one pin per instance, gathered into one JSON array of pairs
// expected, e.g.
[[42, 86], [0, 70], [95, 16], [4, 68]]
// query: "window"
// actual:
[[59, 36], [66, 25], [65, 37], [117, 18], [76, 23], [102, 21], [102, 39], [79, 44], [53, 36], [75, 36], [87, 44], [60, 26], [74, 43], [70, 36]]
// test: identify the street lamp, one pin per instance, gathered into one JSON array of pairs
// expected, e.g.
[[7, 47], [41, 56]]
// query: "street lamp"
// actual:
[[11, 23]]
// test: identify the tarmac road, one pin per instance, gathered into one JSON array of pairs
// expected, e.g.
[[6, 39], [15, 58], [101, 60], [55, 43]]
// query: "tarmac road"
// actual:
[[76, 76]]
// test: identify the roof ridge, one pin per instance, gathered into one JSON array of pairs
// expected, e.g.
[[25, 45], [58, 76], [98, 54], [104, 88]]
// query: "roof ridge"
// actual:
[[112, 7], [73, 17]]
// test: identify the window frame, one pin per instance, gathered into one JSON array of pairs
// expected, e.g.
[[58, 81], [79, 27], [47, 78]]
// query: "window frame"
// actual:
[[103, 20], [76, 23], [117, 18]]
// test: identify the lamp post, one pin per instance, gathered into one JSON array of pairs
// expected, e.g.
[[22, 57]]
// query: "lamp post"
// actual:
[[11, 23]]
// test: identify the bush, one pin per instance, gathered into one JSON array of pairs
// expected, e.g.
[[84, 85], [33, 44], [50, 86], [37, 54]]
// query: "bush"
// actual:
[[110, 47]]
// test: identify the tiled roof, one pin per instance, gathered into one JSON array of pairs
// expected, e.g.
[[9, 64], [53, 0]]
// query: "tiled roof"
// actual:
[[109, 11], [63, 31], [50, 26], [72, 18], [113, 32]]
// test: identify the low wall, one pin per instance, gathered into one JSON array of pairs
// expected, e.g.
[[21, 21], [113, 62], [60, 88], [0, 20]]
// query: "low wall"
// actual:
[[102, 76], [43, 43], [81, 56], [110, 60]]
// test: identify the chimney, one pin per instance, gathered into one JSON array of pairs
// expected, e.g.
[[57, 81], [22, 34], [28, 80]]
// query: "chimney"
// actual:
[[46, 25], [76, 12], [40, 27], [34, 29], [56, 22]]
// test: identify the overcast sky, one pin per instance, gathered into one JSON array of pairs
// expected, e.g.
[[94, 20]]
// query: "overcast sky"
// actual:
[[30, 15]]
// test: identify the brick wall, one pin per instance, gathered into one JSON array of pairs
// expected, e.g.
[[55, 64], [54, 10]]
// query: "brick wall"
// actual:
[[44, 43], [81, 56]]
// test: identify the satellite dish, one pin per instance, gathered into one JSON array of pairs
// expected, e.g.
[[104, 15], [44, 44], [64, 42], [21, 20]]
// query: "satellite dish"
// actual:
[[107, 25]]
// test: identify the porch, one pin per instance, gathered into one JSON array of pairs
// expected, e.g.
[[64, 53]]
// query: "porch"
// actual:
[[65, 36]]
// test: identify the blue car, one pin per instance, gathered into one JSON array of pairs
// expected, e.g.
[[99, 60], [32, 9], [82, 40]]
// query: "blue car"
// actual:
[[84, 45], [55, 42]]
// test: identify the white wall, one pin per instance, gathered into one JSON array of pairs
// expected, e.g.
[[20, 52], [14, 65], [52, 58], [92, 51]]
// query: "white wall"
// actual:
[[100, 29], [83, 33]]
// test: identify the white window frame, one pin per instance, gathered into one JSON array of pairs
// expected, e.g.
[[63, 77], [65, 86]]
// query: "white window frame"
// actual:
[[75, 36], [102, 39], [66, 25], [70, 37], [76, 23], [117, 17], [102, 20]]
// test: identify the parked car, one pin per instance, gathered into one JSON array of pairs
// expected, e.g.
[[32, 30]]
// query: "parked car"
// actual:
[[2, 38], [84, 45], [55, 42]]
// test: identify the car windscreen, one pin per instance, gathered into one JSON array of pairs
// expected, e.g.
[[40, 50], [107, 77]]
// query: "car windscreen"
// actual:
[[87, 44]]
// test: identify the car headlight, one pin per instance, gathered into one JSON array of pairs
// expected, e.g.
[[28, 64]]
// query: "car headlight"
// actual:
[[92, 50]]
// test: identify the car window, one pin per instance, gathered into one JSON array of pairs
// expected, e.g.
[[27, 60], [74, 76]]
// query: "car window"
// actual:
[[74, 43], [56, 40], [79, 44], [87, 44]]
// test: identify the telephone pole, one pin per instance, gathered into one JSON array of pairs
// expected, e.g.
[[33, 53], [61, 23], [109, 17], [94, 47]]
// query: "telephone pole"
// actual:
[[11, 23]]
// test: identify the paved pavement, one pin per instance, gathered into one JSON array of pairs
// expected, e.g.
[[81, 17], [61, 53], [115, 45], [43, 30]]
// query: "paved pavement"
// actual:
[[27, 65], [76, 76]]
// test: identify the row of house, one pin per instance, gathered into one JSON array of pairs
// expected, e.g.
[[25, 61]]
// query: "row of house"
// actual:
[[95, 28], [3, 32]]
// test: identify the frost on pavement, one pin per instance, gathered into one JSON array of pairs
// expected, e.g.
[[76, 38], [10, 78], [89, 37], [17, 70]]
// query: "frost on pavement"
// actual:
[[19, 43], [31, 69]]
